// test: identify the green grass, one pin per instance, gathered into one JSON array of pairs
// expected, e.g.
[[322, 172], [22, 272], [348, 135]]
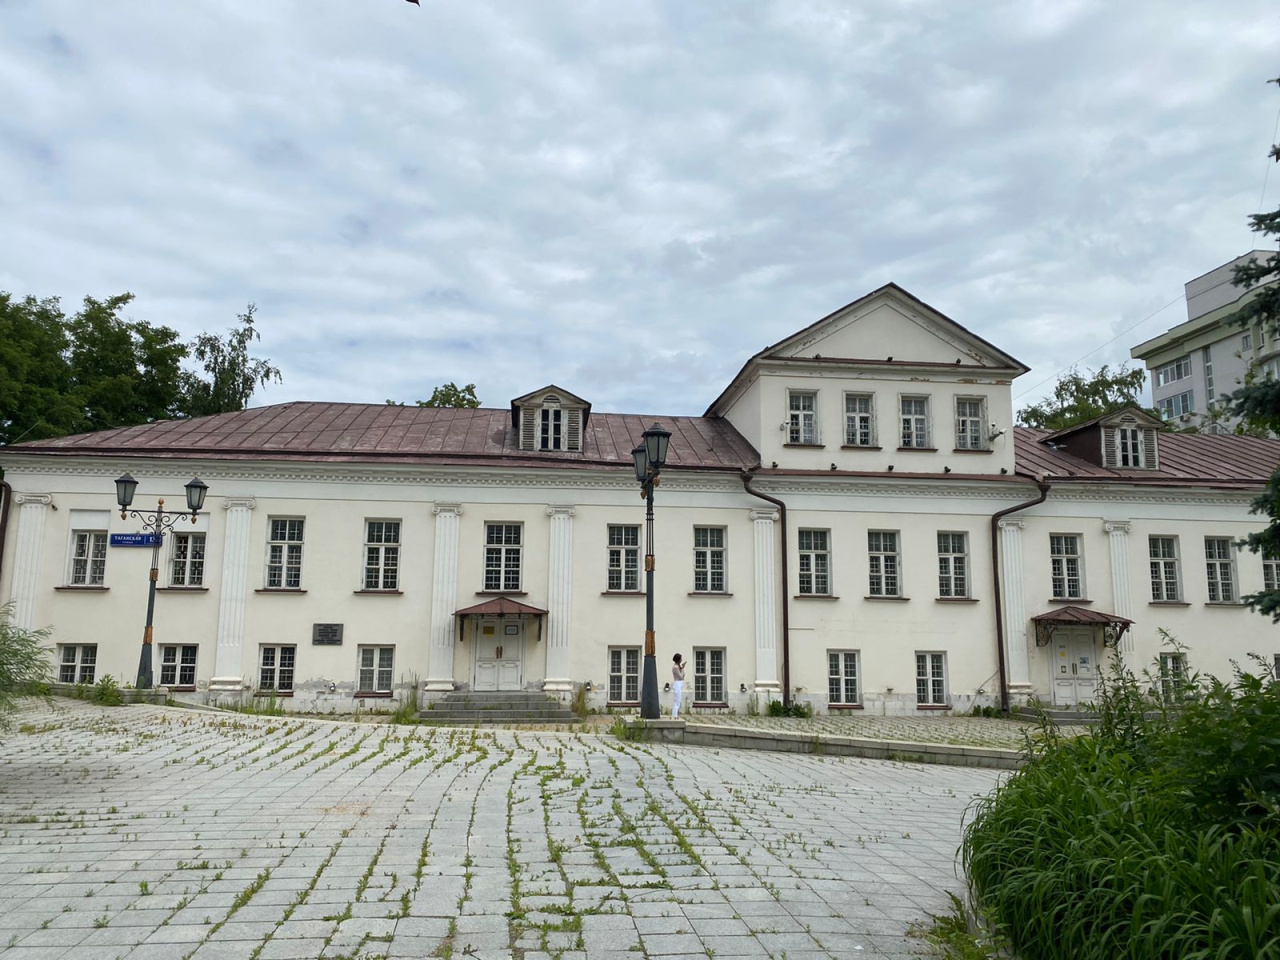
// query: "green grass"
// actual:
[[1157, 835]]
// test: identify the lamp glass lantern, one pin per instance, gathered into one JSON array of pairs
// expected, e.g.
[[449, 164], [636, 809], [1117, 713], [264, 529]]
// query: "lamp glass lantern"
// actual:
[[656, 442], [641, 458], [125, 488], [196, 489]]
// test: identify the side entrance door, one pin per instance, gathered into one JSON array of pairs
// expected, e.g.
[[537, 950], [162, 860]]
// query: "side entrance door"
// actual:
[[499, 655], [1075, 666]]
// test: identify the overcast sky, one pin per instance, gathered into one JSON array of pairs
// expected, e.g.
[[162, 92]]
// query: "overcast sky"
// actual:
[[624, 198]]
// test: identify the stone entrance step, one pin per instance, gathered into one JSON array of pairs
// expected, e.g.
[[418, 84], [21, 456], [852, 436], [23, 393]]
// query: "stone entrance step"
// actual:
[[521, 706]]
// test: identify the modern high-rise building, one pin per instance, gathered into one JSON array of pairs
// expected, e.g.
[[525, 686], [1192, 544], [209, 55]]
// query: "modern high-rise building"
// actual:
[[1197, 363]]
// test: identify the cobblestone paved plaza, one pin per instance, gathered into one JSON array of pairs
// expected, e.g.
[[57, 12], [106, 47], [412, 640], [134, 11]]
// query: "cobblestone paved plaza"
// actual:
[[151, 832]]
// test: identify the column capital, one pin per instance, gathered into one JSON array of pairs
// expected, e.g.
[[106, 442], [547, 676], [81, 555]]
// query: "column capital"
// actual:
[[239, 503], [448, 509], [1010, 523], [44, 499], [1116, 526], [766, 515], [561, 510]]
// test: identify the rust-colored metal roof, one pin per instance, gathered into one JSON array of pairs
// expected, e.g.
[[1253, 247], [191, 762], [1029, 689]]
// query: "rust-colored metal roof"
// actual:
[[500, 607], [1079, 615], [1186, 459], [354, 432]]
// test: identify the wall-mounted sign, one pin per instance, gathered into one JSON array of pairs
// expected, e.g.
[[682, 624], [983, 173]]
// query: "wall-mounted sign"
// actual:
[[133, 539], [326, 634]]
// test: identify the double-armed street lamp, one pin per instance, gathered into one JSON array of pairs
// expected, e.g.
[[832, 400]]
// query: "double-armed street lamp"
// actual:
[[155, 523], [650, 457]]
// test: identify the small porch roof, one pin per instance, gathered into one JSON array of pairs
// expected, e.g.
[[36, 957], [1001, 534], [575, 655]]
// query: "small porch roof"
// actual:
[[1113, 626], [501, 607]]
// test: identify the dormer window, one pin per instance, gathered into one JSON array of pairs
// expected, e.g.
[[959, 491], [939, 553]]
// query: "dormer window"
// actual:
[[552, 434], [550, 419], [1129, 444]]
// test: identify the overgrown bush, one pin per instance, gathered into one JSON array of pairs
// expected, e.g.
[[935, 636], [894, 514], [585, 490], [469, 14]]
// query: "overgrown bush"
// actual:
[[793, 709], [24, 662], [107, 692], [1157, 835]]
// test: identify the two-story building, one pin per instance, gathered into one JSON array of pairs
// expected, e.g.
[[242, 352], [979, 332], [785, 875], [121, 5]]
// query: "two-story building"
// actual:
[[855, 522]]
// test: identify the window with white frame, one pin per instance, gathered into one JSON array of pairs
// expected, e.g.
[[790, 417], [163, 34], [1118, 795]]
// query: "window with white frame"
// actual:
[[842, 677], [1173, 371], [376, 669], [1176, 405], [1271, 369], [953, 565], [551, 432], [77, 662], [624, 674], [187, 566], [1129, 444], [931, 678], [915, 422], [1066, 566], [1220, 567], [88, 558], [859, 420], [815, 563], [882, 550], [284, 554], [1270, 570], [502, 556], [178, 665], [1246, 342], [382, 555], [1206, 357], [624, 558], [275, 668], [970, 416], [708, 675], [708, 560], [1173, 676], [1163, 552], [802, 416]]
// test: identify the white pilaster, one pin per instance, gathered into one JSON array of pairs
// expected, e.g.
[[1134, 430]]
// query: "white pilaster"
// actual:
[[1013, 593], [1121, 586], [559, 598], [766, 589], [444, 597], [229, 666], [26, 556]]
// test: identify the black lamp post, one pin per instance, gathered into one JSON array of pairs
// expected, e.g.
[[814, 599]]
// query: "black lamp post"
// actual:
[[156, 524], [650, 457]]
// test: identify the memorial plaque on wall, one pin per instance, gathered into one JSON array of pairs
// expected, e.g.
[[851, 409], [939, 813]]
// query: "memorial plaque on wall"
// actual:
[[326, 634]]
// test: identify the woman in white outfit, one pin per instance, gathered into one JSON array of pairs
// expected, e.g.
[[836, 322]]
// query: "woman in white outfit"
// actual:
[[677, 684]]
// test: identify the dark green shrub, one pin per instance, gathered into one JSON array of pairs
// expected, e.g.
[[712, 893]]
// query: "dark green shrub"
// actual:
[[1157, 835], [107, 692], [795, 709]]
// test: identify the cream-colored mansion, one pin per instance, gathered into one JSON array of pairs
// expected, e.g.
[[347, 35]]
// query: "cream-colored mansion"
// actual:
[[855, 516]]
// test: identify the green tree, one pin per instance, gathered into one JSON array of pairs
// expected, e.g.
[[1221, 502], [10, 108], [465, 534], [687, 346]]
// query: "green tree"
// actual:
[[448, 395], [1258, 402], [1078, 398], [231, 373], [24, 662], [35, 379]]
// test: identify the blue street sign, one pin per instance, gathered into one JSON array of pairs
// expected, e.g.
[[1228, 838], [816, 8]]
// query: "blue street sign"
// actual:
[[133, 539]]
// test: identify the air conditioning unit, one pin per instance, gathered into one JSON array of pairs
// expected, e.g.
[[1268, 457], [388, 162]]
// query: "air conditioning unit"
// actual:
[[1184, 417]]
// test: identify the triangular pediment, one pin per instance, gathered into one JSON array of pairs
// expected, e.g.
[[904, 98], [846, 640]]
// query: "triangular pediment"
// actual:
[[891, 326], [562, 396]]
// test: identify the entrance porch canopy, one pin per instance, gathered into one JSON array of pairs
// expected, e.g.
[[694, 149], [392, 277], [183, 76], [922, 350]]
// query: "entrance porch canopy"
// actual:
[[1113, 627], [499, 607]]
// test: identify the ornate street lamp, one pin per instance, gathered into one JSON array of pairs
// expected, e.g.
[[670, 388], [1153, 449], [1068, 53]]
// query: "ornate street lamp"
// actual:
[[156, 524], [650, 457]]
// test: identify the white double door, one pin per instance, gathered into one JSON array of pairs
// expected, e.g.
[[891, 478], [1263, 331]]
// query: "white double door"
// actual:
[[499, 655], [1075, 666]]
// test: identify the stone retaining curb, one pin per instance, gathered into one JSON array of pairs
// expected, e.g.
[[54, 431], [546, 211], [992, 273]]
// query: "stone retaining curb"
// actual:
[[780, 741]]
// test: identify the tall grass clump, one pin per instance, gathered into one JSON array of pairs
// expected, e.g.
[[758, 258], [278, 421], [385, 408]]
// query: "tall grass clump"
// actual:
[[24, 662], [1157, 835]]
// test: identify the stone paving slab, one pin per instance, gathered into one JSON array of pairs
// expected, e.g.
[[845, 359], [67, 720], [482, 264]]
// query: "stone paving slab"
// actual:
[[146, 831]]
